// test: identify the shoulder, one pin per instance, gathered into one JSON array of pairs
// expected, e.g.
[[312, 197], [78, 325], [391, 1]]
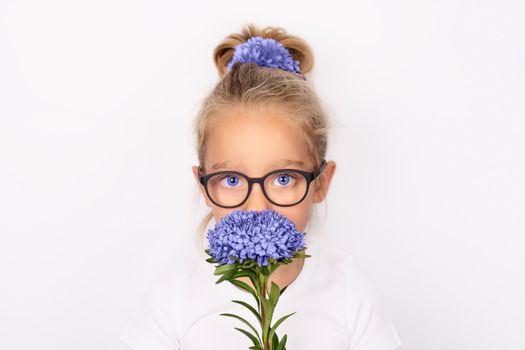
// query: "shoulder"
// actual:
[[335, 258], [181, 264], [156, 322], [173, 276], [368, 321]]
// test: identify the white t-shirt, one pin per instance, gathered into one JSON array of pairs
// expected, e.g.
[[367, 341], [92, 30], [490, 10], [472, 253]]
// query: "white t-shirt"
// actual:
[[337, 308]]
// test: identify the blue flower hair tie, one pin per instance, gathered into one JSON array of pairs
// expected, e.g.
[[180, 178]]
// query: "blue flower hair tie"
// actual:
[[266, 52]]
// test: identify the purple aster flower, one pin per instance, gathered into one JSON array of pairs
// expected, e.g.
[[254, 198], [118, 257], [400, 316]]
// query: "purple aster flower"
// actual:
[[266, 52], [254, 235]]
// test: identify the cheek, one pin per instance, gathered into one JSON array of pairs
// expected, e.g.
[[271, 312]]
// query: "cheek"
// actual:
[[297, 214], [219, 213]]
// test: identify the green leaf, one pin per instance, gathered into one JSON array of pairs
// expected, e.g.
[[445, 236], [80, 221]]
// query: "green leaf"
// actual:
[[282, 290], [274, 294], [247, 272], [275, 341], [246, 322], [265, 271], [262, 278], [226, 276], [281, 346], [225, 268], [251, 308], [256, 344], [279, 321], [253, 277], [268, 313], [246, 288]]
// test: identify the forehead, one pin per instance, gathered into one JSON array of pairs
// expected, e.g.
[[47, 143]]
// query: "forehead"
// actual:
[[256, 141], [229, 164]]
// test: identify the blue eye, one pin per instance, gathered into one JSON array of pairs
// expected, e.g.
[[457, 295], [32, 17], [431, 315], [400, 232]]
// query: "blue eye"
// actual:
[[284, 179], [231, 180]]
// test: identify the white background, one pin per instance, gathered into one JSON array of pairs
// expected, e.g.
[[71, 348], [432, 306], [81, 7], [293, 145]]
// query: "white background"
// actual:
[[96, 148]]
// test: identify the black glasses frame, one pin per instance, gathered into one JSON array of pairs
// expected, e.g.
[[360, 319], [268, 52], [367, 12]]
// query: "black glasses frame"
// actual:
[[309, 176]]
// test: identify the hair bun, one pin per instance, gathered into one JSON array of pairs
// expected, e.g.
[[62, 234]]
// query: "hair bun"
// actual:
[[298, 48]]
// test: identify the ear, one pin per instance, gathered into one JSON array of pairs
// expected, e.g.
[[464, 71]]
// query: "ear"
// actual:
[[323, 181], [195, 170]]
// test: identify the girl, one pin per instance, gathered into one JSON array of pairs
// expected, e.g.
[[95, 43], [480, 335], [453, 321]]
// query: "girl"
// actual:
[[263, 120]]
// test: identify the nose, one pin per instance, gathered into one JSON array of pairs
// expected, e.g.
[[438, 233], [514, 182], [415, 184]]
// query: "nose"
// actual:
[[257, 201]]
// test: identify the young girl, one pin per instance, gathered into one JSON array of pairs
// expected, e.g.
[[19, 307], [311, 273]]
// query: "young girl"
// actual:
[[263, 120]]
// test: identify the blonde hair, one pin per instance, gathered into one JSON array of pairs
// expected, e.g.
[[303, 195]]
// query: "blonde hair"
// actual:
[[250, 85]]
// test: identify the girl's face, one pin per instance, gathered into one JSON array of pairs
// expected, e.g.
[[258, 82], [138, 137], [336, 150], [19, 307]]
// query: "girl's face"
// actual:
[[255, 142]]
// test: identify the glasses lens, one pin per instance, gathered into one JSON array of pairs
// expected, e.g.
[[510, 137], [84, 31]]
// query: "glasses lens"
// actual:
[[283, 188], [227, 189]]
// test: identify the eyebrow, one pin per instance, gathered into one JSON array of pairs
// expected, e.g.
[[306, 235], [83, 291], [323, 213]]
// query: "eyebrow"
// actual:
[[228, 164]]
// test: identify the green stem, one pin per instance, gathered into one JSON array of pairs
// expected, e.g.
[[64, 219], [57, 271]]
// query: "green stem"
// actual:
[[266, 328]]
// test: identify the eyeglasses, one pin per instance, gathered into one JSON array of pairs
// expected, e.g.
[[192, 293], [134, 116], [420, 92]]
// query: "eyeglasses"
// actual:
[[282, 187]]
